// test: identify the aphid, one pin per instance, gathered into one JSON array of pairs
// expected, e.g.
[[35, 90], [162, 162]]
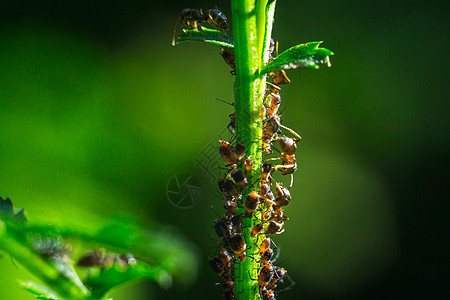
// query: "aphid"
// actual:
[[274, 228], [270, 128], [239, 177], [227, 289], [265, 244], [273, 104], [230, 207], [226, 258], [229, 188], [191, 19], [227, 152], [256, 230], [217, 265], [237, 245], [248, 164], [221, 265], [237, 223], [222, 228], [282, 195], [251, 203], [265, 173], [265, 275], [266, 256], [238, 152], [230, 58]]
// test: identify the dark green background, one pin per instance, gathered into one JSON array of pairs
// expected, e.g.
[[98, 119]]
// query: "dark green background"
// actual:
[[98, 111]]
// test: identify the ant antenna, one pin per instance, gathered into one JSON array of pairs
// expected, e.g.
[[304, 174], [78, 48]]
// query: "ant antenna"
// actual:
[[232, 104]]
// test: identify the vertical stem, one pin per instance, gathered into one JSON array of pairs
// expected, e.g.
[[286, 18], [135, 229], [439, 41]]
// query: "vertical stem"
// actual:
[[252, 33], [248, 101]]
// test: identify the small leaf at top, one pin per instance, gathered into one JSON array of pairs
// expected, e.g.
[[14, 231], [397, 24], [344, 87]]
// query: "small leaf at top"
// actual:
[[307, 56], [209, 36]]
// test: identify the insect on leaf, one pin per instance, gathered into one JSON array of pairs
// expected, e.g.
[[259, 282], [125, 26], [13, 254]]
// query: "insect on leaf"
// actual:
[[306, 56]]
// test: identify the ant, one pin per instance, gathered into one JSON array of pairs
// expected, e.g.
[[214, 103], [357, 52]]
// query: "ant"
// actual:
[[256, 230], [274, 228], [237, 245], [278, 77], [251, 203], [191, 19], [98, 258], [265, 275], [288, 162], [230, 58]]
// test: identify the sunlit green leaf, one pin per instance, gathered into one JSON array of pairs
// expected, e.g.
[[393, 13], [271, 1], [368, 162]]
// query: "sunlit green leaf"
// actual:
[[306, 56], [209, 36]]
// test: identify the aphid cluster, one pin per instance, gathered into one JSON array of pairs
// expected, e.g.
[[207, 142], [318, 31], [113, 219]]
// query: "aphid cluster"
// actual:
[[262, 199], [267, 198]]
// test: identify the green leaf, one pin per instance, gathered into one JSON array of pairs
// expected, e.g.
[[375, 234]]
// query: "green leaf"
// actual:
[[7, 212], [209, 36], [307, 56], [38, 290], [160, 247], [116, 276]]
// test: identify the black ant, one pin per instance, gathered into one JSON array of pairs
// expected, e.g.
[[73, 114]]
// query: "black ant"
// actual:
[[191, 19], [230, 58]]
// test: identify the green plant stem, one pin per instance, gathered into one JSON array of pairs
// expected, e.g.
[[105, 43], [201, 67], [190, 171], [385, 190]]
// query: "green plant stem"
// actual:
[[43, 269], [251, 41]]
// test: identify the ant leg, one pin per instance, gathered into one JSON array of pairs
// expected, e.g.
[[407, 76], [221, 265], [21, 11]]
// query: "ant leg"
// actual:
[[292, 181], [177, 23], [272, 159], [276, 87], [290, 130], [290, 287]]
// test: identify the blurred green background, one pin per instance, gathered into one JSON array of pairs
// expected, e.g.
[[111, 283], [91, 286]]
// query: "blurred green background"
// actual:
[[98, 112]]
